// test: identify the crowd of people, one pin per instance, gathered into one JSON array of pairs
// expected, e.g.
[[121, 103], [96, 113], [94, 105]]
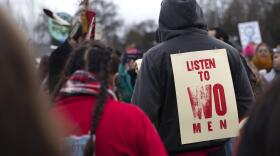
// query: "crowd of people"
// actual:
[[87, 98]]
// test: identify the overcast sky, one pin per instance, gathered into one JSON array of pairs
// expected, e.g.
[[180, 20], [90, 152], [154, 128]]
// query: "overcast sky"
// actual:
[[130, 10], [137, 10]]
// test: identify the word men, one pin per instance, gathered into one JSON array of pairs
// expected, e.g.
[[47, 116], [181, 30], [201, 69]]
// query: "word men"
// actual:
[[205, 96]]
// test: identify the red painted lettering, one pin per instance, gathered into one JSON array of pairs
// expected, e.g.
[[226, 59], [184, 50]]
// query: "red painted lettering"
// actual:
[[206, 76], [212, 63], [189, 67], [196, 65], [210, 129], [202, 63], [197, 128], [201, 75], [223, 124], [201, 100], [220, 99], [207, 65]]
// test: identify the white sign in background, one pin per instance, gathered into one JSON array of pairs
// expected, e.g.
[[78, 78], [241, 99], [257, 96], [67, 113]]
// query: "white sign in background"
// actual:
[[139, 63], [249, 32], [187, 78]]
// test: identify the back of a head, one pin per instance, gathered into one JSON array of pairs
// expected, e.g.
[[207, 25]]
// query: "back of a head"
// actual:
[[94, 58], [177, 16], [24, 130], [97, 52], [221, 34], [98, 62], [181, 14], [261, 135]]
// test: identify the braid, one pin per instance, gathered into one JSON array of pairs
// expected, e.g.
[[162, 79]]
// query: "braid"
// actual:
[[96, 58], [101, 99], [98, 62]]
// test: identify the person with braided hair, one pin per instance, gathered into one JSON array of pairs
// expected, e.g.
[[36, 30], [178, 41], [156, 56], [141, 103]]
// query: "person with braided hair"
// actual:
[[81, 29], [86, 103]]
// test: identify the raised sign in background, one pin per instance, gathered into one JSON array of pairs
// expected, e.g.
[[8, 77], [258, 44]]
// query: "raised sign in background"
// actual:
[[249, 32]]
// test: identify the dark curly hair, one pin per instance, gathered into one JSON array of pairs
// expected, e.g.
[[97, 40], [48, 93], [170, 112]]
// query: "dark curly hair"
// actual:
[[261, 135], [96, 58], [98, 61]]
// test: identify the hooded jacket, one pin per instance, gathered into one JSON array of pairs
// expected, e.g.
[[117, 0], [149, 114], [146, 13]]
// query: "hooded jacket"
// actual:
[[181, 29]]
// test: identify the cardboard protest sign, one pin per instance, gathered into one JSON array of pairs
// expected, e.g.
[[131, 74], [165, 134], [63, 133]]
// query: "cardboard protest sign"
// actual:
[[138, 63], [98, 32], [205, 96], [57, 31], [249, 32]]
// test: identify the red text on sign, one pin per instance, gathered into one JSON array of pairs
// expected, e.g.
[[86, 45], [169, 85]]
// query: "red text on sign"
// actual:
[[201, 104], [201, 101], [197, 128], [201, 64]]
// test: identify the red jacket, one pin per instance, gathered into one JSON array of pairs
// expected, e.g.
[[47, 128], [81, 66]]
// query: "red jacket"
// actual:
[[123, 129]]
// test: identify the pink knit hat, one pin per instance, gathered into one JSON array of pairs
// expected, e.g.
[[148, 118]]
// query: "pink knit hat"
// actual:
[[249, 51]]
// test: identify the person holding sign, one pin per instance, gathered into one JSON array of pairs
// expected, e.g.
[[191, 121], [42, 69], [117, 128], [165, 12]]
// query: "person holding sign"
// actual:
[[82, 29], [191, 91]]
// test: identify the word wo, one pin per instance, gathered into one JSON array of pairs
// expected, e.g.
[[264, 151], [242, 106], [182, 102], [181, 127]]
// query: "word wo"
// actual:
[[201, 97]]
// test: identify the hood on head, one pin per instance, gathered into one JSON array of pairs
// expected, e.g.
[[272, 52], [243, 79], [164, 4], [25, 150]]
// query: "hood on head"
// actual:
[[176, 16]]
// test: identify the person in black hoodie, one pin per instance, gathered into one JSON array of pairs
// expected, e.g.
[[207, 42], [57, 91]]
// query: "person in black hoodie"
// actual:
[[57, 62], [220, 34], [182, 28]]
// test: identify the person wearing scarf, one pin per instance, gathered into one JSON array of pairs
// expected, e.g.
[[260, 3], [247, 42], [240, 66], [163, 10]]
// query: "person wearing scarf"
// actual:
[[89, 110]]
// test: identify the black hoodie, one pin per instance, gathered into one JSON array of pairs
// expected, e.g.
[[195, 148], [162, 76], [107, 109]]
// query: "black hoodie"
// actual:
[[57, 61], [181, 29]]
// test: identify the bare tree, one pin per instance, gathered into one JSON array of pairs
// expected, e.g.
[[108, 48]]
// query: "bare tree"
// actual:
[[264, 11], [40, 30], [214, 10], [142, 35]]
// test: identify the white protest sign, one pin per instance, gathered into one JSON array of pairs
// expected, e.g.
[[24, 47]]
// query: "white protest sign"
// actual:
[[249, 32], [98, 32], [138, 63], [205, 96]]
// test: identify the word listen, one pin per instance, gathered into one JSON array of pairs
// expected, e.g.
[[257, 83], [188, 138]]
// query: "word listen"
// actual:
[[198, 65], [201, 103], [201, 66]]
